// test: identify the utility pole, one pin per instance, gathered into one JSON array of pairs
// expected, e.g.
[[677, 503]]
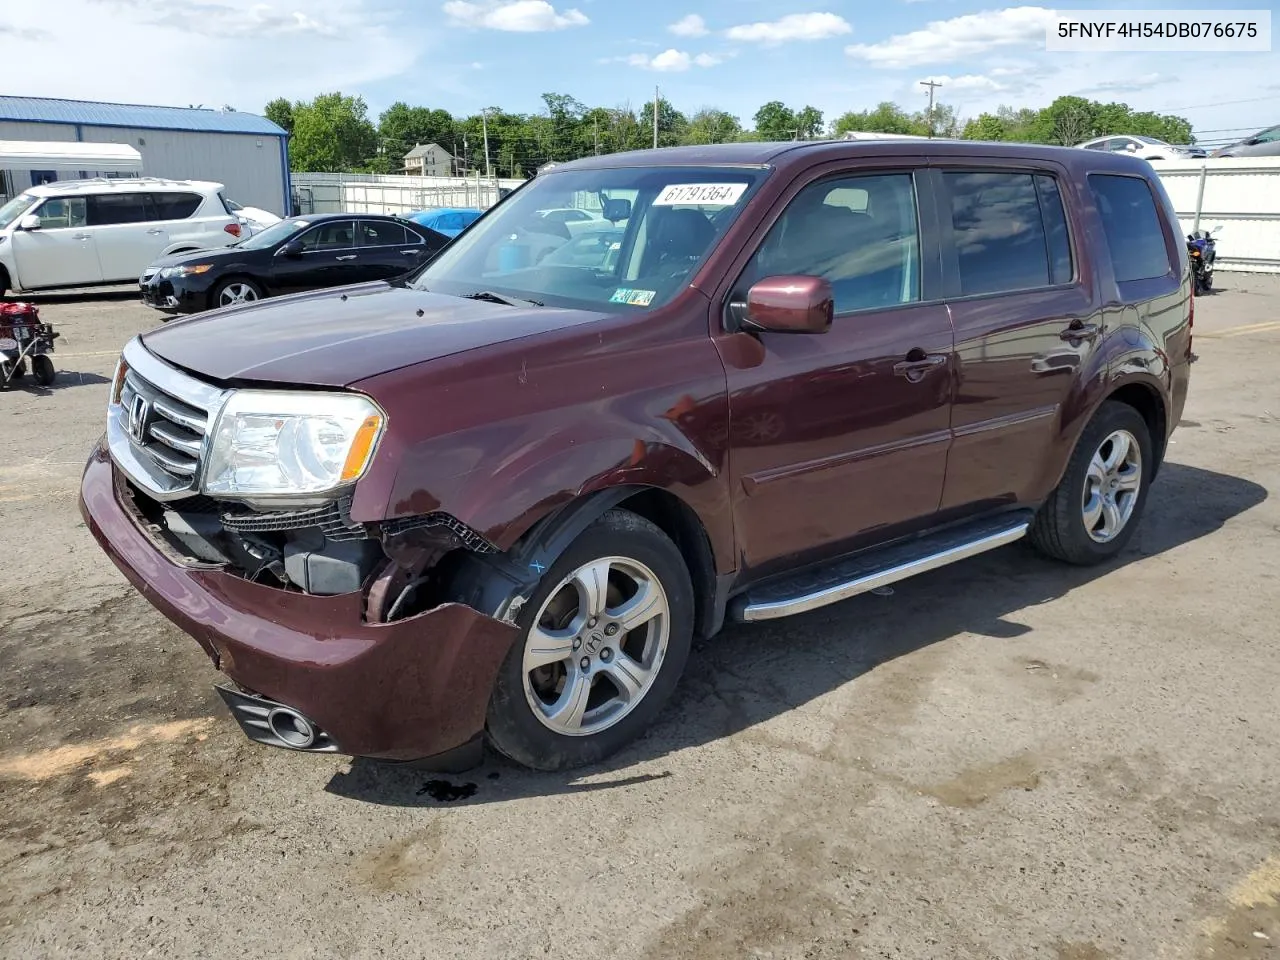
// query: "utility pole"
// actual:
[[656, 97], [484, 123], [930, 84]]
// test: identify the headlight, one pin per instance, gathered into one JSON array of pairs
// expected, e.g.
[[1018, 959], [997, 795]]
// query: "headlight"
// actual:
[[268, 443], [185, 270]]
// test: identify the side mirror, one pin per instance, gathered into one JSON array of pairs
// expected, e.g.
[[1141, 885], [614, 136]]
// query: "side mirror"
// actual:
[[29, 222], [1215, 229], [793, 304], [617, 210], [291, 249], [1131, 147]]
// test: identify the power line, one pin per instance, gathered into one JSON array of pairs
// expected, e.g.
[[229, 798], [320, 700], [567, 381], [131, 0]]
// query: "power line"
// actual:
[[1221, 103]]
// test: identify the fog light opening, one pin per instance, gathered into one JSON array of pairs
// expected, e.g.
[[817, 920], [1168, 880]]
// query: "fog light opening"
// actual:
[[292, 728]]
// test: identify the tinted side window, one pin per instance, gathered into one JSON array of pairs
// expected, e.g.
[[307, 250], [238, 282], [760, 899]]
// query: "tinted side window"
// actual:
[[108, 208], [1132, 226], [339, 235], [870, 255], [175, 206], [999, 236], [1055, 226], [374, 233], [412, 237]]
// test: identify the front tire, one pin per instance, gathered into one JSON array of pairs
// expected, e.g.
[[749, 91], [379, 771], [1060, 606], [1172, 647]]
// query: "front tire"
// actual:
[[1092, 514], [234, 292], [43, 371], [604, 640]]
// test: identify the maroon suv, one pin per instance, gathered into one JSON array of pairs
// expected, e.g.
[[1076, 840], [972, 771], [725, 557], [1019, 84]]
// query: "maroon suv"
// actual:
[[500, 496]]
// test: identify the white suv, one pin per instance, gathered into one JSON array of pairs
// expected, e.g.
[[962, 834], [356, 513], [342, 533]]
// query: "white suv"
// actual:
[[77, 233]]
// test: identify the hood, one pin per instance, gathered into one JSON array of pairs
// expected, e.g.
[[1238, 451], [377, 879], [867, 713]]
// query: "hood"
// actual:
[[334, 338], [204, 255]]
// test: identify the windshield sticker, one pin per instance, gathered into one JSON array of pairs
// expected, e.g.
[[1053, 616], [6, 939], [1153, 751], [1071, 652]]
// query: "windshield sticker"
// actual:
[[633, 298], [725, 194]]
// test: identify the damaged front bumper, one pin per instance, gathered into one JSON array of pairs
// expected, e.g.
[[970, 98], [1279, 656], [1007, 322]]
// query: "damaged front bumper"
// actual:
[[413, 689]]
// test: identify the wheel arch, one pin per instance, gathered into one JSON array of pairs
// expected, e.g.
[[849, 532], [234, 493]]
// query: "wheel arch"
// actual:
[[230, 278], [1150, 404], [499, 584]]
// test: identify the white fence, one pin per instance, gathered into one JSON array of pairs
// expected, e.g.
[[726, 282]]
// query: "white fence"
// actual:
[[374, 193], [1240, 193]]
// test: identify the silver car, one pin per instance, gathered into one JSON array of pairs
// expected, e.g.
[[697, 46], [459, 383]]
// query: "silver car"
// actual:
[[1265, 143]]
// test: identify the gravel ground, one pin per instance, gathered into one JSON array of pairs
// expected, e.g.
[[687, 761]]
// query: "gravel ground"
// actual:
[[1005, 759]]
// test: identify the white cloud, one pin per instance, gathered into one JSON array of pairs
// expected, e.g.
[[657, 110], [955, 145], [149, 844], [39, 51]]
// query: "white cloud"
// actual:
[[690, 26], [794, 26], [519, 16], [668, 61], [190, 49], [973, 35], [1143, 81]]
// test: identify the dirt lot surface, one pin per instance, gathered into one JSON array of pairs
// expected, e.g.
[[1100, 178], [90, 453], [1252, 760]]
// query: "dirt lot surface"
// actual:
[[1004, 759]]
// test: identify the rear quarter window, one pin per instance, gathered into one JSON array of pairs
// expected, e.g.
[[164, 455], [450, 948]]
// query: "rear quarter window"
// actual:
[[1132, 226], [175, 206]]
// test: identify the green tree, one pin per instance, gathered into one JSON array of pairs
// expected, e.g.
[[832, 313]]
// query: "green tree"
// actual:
[[775, 121], [809, 124], [710, 125], [280, 112], [985, 126], [332, 134], [887, 117], [402, 127]]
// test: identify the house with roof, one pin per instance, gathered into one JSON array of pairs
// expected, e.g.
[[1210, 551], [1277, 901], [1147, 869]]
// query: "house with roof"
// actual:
[[428, 160], [246, 152]]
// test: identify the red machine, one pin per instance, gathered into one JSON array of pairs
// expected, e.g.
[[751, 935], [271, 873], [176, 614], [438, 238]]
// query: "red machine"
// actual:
[[22, 335]]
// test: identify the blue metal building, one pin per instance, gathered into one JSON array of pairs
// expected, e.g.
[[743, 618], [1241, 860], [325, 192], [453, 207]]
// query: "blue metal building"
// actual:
[[246, 152]]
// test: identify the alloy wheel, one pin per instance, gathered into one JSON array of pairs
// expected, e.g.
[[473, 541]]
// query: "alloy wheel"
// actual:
[[234, 293], [1111, 487], [596, 646]]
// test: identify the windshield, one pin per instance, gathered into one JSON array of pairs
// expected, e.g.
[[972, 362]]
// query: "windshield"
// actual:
[[276, 233], [1160, 143], [663, 220], [16, 207]]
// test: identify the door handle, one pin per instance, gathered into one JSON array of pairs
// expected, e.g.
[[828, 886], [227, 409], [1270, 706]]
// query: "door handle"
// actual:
[[154, 231], [917, 365], [408, 253], [81, 236], [350, 256], [1079, 331]]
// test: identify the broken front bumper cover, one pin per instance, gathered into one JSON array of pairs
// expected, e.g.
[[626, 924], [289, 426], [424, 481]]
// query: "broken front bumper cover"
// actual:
[[408, 690]]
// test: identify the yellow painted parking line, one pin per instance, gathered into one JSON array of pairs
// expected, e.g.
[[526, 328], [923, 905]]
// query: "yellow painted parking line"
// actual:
[[1242, 331]]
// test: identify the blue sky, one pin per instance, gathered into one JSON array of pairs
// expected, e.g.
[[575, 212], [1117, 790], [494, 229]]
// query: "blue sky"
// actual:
[[462, 55]]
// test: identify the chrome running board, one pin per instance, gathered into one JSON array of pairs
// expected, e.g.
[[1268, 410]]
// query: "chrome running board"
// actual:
[[878, 568]]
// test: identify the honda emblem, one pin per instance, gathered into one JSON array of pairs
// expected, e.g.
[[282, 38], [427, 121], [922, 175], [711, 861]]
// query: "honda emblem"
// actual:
[[139, 414]]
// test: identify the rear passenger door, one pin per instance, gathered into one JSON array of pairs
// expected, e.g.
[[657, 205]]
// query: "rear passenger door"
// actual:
[[1022, 302], [386, 249], [126, 234], [172, 212], [841, 438]]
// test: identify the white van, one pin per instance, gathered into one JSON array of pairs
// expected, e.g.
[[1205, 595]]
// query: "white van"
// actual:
[[78, 233]]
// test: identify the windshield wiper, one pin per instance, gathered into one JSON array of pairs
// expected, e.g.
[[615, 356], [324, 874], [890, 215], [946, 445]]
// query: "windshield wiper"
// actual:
[[491, 297]]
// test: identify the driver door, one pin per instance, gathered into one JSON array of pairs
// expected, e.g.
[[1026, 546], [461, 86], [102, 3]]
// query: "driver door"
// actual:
[[62, 252], [841, 438], [328, 258]]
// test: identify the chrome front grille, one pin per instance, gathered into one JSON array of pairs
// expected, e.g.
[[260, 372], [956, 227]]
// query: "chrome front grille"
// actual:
[[165, 428], [157, 427]]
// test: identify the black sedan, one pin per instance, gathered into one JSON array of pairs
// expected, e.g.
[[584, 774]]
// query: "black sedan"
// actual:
[[300, 253]]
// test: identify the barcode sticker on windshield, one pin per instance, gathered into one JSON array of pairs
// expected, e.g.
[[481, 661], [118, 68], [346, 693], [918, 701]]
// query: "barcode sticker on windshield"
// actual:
[[679, 194]]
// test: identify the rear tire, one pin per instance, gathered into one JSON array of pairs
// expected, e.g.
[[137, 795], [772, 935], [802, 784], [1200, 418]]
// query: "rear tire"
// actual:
[[1092, 514], [603, 642]]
